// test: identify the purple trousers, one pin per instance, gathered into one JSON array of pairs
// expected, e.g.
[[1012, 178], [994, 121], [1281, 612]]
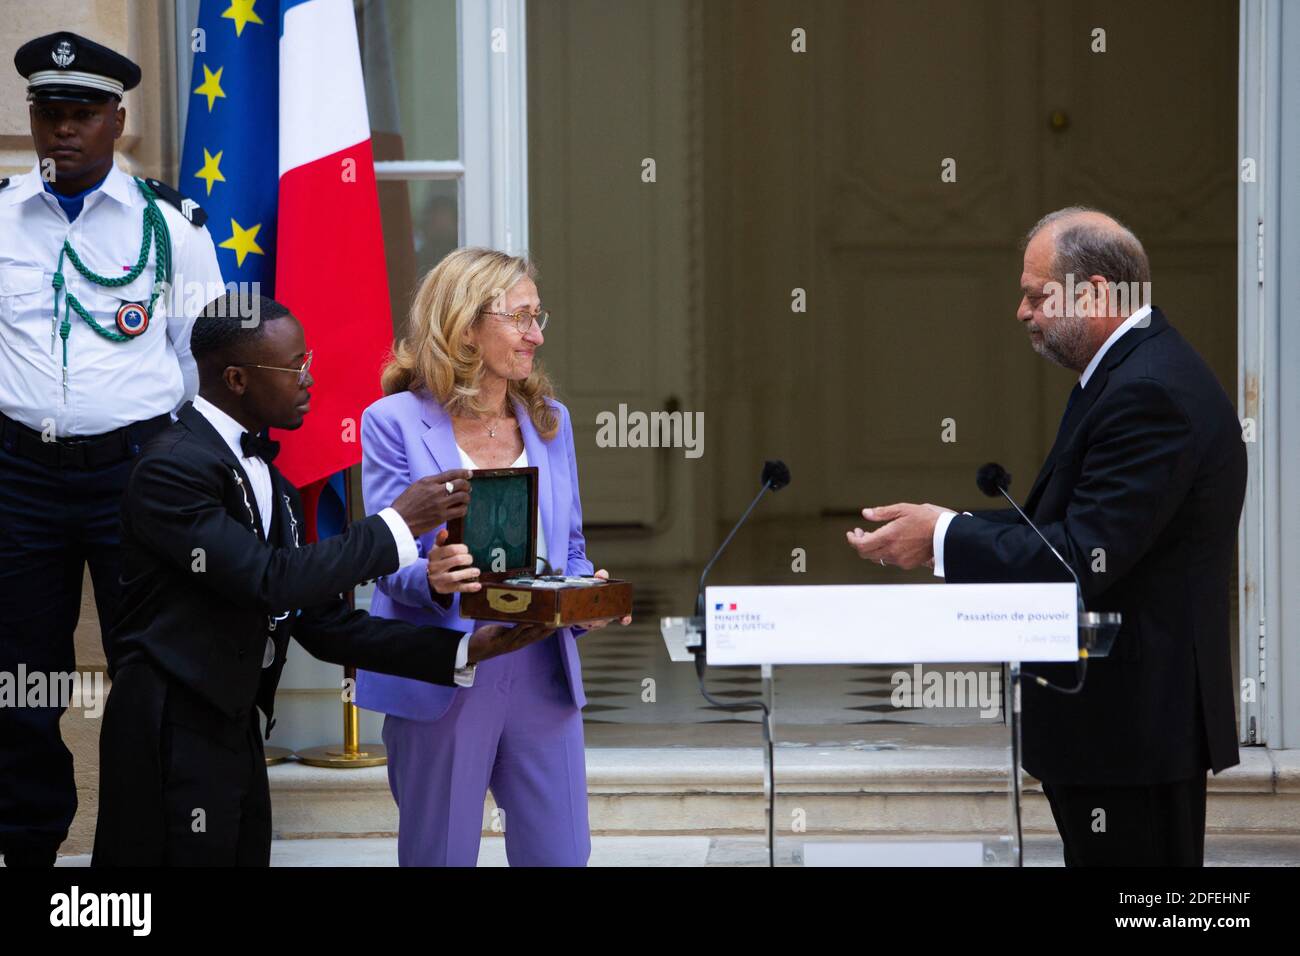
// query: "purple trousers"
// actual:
[[516, 732]]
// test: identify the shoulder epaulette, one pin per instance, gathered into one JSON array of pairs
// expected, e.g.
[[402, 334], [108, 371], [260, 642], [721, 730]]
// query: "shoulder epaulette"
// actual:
[[184, 205]]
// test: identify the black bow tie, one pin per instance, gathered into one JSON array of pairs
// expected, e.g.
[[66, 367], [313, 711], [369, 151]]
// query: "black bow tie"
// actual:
[[255, 446]]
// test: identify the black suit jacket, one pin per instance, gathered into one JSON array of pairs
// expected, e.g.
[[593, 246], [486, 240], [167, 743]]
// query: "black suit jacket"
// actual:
[[1141, 494], [202, 588]]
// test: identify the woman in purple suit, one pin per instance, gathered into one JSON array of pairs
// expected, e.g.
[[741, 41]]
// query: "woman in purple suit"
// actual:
[[463, 390]]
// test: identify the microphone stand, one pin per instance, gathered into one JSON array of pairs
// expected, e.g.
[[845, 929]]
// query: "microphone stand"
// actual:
[[1095, 629], [1013, 689], [1081, 666], [699, 598], [1086, 621], [769, 776], [1078, 587]]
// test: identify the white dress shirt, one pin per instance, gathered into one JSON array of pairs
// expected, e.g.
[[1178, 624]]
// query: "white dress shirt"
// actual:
[[259, 476], [110, 384], [1140, 317]]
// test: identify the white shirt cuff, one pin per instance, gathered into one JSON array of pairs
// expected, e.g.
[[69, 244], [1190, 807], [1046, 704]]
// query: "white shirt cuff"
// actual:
[[464, 669], [407, 552], [941, 529]]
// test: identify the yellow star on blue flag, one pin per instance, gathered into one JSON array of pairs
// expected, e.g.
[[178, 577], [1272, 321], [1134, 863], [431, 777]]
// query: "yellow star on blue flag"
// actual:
[[241, 11], [234, 143], [211, 86], [211, 171], [242, 241]]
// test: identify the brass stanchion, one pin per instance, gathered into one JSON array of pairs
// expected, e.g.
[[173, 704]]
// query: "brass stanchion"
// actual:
[[275, 755], [351, 753]]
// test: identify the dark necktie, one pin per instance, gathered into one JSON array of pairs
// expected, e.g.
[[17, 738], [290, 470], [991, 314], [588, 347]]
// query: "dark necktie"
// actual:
[[1060, 429], [255, 446]]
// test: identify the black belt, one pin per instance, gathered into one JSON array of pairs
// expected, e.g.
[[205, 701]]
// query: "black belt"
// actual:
[[95, 451]]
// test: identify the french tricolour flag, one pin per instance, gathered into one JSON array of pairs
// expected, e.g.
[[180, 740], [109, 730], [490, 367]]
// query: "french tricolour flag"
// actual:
[[330, 268]]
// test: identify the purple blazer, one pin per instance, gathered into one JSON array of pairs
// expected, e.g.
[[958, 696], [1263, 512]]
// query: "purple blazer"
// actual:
[[408, 436]]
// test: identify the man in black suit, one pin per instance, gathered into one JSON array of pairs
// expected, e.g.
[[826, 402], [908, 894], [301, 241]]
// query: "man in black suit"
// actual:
[[216, 580], [1141, 494]]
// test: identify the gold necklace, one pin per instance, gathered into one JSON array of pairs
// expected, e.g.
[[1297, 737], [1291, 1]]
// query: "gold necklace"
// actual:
[[492, 432]]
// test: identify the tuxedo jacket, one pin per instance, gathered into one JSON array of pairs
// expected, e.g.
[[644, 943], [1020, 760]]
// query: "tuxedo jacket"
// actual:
[[1141, 494], [207, 599]]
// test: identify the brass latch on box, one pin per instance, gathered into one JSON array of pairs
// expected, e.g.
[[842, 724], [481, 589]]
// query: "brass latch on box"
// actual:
[[509, 602]]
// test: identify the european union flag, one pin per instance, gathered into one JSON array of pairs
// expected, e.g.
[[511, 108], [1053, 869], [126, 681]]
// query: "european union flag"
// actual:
[[232, 134]]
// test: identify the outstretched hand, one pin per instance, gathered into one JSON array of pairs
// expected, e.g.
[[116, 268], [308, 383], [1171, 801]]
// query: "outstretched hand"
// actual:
[[905, 538], [493, 640]]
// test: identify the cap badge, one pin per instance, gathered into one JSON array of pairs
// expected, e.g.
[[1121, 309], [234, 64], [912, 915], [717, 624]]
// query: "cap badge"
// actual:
[[63, 54]]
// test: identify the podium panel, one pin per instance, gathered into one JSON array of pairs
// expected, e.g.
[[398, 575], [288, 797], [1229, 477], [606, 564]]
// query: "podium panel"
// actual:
[[886, 624]]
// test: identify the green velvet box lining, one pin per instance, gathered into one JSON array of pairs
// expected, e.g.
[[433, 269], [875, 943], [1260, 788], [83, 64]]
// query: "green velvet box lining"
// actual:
[[499, 525]]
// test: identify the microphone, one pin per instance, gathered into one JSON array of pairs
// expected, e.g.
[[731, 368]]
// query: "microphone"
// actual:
[[993, 479], [776, 474], [775, 477]]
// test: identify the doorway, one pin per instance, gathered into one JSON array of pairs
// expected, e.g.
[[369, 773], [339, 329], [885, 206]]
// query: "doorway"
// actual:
[[803, 272]]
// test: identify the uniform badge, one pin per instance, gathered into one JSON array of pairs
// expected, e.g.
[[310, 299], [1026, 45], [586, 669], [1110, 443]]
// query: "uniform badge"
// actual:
[[132, 319], [187, 207], [63, 54]]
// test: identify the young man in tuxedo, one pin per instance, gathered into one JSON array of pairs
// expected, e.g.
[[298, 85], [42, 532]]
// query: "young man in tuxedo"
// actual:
[[1141, 494], [216, 580]]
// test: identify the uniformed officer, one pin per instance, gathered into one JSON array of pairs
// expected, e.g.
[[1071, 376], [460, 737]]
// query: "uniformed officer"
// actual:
[[101, 275]]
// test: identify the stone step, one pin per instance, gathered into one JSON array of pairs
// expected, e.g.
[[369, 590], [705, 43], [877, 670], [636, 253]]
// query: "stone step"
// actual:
[[1253, 849], [840, 790]]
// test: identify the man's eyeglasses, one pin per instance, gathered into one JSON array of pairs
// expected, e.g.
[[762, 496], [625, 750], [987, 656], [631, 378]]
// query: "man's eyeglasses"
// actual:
[[302, 371], [523, 319]]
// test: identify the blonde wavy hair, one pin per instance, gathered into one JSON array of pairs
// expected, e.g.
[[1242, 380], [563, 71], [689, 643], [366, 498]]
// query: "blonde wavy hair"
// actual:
[[435, 353]]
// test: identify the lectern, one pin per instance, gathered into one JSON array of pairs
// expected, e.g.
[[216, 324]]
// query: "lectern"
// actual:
[[884, 624]]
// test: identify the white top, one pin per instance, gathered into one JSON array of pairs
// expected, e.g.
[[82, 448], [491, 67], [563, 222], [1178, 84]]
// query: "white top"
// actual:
[[1141, 316], [110, 384], [520, 462]]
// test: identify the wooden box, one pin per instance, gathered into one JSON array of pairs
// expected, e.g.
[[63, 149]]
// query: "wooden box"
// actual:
[[500, 529]]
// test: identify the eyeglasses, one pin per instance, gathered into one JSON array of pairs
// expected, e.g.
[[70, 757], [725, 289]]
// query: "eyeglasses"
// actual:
[[302, 372], [523, 319]]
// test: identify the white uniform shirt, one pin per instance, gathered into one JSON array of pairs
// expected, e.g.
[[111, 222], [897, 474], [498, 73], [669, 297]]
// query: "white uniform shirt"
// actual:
[[110, 384]]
